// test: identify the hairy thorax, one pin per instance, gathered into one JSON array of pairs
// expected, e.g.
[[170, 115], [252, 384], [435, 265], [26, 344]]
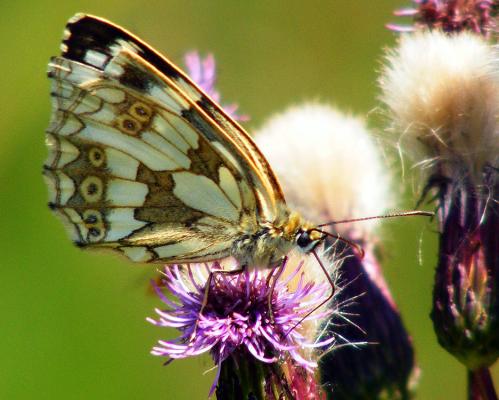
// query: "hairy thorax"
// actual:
[[265, 246]]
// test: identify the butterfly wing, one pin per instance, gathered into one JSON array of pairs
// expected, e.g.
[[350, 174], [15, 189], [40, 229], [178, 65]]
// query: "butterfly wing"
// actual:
[[95, 41], [137, 163]]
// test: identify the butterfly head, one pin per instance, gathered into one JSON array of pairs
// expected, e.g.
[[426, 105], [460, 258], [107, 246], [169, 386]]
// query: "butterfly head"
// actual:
[[308, 239], [305, 235]]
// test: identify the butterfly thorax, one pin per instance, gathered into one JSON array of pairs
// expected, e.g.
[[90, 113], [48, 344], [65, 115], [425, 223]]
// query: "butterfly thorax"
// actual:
[[268, 242]]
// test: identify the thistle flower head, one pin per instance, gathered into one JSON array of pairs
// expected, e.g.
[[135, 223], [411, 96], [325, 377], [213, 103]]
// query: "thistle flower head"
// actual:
[[203, 72], [442, 94], [236, 319], [477, 16]]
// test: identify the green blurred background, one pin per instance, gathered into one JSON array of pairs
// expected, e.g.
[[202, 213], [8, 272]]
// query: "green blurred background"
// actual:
[[73, 323]]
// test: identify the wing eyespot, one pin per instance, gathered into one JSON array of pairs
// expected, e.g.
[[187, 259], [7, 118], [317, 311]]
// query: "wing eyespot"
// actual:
[[92, 189], [128, 125], [94, 224], [140, 111], [96, 157]]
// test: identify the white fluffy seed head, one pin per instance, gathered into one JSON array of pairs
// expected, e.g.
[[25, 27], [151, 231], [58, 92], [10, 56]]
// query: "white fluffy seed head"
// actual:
[[442, 92], [328, 165]]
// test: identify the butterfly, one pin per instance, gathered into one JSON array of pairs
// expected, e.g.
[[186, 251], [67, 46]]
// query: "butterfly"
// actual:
[[143, 162]]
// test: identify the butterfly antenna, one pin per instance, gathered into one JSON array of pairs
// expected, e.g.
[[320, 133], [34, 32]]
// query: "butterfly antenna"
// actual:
[[359, 250], [355, 246], [333, 291], [401, 214]]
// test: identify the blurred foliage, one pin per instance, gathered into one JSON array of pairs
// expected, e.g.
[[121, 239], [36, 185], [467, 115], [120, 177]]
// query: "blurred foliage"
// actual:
[[73, 323]]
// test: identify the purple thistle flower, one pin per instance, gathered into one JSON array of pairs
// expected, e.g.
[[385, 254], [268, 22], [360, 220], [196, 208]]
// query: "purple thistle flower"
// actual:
[[235, 323], [203, 72], [450, 16]]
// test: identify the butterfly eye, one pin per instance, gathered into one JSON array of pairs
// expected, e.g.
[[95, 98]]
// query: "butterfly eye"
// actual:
[[307, 240], [303, 240]]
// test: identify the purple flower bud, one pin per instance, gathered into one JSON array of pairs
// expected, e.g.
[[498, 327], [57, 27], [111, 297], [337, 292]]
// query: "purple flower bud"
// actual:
[[235, 325], [466, 292], [378, 358]]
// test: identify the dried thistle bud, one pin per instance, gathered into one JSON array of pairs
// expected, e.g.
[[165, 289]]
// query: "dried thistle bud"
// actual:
[[336, 173]]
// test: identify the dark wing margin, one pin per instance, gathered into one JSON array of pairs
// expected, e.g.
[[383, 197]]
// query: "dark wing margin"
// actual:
[[86, 32]]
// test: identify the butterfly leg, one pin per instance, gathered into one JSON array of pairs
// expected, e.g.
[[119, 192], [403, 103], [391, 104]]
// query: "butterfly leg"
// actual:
[[279, 269], [209, 282], [326, 300]]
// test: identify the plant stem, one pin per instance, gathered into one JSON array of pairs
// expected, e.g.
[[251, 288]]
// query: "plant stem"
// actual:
[[243, 377], [480, 385]]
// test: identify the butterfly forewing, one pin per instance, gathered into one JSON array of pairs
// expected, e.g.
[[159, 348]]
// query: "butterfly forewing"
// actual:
[[95, 41], [137, 163]]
